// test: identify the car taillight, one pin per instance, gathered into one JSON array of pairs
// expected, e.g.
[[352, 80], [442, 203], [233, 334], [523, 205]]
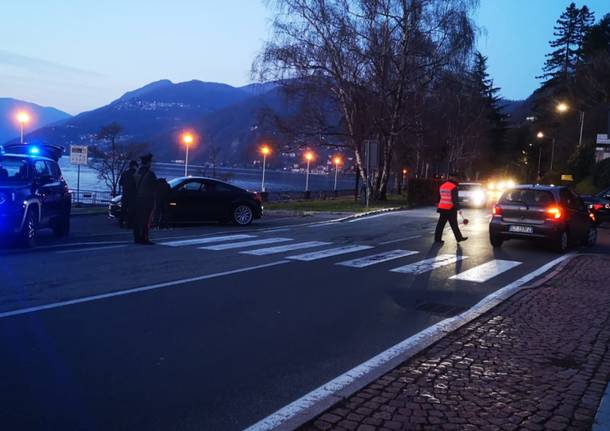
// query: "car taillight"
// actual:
[[554, 213], [597, 207], [496, 210], [257, 197]]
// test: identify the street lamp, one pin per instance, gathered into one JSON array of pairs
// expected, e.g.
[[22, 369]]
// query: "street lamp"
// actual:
[[265, 151], [541, 135], [337, 161], [22, 118], [564, 107], [187, 140], [309, 156]]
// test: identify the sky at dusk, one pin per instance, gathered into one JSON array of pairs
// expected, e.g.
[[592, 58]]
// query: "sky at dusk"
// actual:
[[77, 55]]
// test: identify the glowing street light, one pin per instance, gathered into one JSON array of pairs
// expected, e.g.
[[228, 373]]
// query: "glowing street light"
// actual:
[[309, 156], [265, 151], [187, 140], [337, 161], [564, 107], [540, 135], [22, 118]]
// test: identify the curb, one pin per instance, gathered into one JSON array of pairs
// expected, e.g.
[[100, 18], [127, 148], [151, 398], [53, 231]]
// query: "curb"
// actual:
[[314, 403]]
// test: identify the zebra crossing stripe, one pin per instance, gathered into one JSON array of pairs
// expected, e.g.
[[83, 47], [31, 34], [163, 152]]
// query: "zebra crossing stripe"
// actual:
[[242, 244], [286, 247], [365, 261], [205, 240], [329, 252], [429, 264], [486, 271]]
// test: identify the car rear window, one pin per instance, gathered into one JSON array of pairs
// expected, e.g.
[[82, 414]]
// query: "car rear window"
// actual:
[[13, 169], [528, 197]]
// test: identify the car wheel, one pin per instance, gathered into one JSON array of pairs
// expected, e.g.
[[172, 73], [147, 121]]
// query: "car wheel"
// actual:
[[61, 226], [496, 240], [27, 236], [562, 242], [591, 238], [242, 215]]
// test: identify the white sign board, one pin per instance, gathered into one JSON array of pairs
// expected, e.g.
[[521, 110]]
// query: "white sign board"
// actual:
[[603, 139], [78, 154]]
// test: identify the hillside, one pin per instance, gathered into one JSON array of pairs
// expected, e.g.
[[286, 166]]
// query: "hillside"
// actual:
[[40, 116]]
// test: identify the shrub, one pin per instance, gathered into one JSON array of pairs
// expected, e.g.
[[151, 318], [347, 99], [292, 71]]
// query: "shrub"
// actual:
[[601, 174]]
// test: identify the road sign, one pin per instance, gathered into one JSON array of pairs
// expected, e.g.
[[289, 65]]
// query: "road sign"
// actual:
[[603, 139], [78, 154]]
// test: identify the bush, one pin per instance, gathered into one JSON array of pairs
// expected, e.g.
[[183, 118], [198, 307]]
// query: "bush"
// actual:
[[586, 186], [601, 175]]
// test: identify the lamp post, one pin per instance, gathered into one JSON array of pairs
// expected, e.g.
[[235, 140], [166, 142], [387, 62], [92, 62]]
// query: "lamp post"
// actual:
[[564, 107], [23, 118], [337, 162], [540, 135], [265, 151], [309, 157], [187, 140]]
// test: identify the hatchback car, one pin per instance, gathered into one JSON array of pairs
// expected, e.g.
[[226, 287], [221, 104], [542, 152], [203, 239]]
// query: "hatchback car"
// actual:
[[552, 214], [472, 195], [199, 199], [599, 206], [33, 193]]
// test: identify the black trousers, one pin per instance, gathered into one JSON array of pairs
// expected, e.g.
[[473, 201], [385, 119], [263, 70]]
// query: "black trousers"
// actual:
[[141, 223], [444, 217]]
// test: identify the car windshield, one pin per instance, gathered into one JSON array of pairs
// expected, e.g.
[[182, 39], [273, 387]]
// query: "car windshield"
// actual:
[[528, 197], [176, 181], [13, 169]]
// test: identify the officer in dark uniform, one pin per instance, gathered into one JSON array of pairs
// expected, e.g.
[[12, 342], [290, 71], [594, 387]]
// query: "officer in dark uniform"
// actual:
[[128, 186], [448, 207], [146, 190]]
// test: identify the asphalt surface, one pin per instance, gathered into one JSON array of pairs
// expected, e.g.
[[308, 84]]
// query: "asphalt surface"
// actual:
[[98, 333]]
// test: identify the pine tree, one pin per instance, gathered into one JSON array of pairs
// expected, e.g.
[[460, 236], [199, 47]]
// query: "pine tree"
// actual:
[[570, 31]]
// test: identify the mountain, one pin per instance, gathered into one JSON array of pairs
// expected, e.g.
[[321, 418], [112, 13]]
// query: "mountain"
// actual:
[[225, 118], [517, 110], [40, 116], [155, 114]]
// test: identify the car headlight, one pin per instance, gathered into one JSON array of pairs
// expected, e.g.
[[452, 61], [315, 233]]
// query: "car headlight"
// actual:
[[478, 197]]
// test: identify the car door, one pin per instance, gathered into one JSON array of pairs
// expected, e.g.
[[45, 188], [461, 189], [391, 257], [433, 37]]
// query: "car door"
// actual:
[[45, 191], [577, 221], [185, 201], [222, 197]]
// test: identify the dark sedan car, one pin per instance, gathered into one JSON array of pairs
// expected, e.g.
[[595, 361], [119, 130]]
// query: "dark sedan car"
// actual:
[[198, 199], [599, 207], [553, 214]]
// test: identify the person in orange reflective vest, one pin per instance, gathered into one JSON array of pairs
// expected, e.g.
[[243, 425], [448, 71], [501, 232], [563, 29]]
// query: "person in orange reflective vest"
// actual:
[[448, 207]]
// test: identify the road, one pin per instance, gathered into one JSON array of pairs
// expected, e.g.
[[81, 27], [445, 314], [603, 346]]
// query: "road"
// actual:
[[216, 327]]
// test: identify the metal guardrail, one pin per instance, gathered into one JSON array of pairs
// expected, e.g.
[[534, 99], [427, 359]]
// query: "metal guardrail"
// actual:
[[91, 197]]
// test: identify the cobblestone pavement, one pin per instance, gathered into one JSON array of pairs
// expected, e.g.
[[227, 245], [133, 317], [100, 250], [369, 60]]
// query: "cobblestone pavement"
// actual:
[[538, 361]]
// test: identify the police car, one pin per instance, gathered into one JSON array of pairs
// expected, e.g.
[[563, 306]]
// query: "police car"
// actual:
[[33, 193]]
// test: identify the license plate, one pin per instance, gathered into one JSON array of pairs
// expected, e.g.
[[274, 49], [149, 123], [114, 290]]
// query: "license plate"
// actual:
[[521, 229]]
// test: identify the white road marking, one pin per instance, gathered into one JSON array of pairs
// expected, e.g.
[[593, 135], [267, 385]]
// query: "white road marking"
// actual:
[[135, 290], [205, 240], [400, 240], [315, 402], [242, 244], [429, 264], [286, 247], [486, 271], [365, 261], [329, 252], [283, 229], [328, 223], [83, 250], [368, 217]]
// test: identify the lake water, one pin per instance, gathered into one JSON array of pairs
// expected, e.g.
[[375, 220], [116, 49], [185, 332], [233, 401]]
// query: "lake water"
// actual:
[[250, 179]]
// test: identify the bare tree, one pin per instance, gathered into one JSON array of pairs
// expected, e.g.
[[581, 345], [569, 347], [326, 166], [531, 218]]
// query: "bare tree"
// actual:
[[111, 156], [371, 57]]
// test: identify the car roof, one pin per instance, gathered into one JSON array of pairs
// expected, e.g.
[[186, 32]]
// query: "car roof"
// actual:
[[216, 180], [27, 156], [538, 187]]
